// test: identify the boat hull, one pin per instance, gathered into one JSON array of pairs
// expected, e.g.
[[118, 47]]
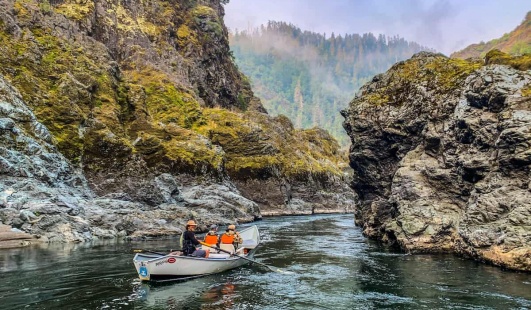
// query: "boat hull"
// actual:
[[154, 266]]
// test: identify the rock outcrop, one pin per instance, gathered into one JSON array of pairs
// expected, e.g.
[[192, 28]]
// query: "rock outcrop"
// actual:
[[441, 152], [43, 194], [126, 118], [14, 238]]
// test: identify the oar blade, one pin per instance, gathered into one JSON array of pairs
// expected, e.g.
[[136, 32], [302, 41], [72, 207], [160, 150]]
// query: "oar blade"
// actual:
[[280, 271]]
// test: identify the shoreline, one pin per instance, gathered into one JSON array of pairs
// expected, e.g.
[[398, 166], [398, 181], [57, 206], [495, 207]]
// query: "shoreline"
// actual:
[[12, 238], [17, 240], [302, 213]]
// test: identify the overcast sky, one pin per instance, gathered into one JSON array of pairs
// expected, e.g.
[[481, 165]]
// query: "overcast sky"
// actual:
[[445, 25]]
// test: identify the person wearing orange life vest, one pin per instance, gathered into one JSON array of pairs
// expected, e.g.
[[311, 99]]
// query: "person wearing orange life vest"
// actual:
[[211, 238], [231, 236]]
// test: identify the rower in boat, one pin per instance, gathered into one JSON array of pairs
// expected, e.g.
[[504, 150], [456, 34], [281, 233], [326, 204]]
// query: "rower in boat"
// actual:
[[190, 242]]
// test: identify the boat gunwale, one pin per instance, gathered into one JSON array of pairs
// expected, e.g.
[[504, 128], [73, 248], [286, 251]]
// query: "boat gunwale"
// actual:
[[233, 257]]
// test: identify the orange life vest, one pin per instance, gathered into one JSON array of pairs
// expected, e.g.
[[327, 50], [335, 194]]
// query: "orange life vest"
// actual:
[[227, 239], [211, 239]]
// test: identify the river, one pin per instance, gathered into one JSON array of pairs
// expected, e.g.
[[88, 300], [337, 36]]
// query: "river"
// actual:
[[332, 267]]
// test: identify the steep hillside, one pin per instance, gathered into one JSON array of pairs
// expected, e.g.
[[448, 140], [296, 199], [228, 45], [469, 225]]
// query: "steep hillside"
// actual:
[[143, 102], [441, 157], [308, 76], [516, 42]]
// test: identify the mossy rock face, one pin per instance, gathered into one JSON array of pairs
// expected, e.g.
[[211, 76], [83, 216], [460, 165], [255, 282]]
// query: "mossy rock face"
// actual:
[[150, 84], [522, 62], [260, 147], [423, 72], [61, 81], [76, 10], [186, 36]]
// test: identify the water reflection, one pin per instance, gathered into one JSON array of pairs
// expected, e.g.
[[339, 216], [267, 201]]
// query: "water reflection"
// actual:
[[333, 265], [220, 296]]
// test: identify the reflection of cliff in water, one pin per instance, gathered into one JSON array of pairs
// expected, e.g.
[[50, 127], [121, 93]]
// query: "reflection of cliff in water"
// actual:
[[435, 282], [36, 255]]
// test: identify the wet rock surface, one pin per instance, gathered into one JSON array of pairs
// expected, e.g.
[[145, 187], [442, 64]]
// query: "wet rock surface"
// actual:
[[442, 162], [298, 198], [42, 194]]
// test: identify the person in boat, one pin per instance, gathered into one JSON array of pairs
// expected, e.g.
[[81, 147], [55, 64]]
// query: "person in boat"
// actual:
[[231, 236], [190, 242], [211, 238]]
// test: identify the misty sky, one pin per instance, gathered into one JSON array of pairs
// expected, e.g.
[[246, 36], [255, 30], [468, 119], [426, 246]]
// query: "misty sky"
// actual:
[[445, 25]]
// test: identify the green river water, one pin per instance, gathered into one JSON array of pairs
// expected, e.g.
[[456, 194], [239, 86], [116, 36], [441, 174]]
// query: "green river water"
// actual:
[[333, 267]]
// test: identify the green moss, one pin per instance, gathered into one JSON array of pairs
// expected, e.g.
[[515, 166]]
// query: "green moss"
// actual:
[[522, 62], [203, 11], [191, 151], [165, 102], [435, 72], [76, 10], [19, 7], [60, 82], [259, 146], [450, 72], [185, 36], [45, 7], [377, 99], [526, 91], [206, 19], [148, 28]]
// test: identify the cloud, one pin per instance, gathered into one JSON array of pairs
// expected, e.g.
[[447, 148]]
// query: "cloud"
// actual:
[[426, 23]]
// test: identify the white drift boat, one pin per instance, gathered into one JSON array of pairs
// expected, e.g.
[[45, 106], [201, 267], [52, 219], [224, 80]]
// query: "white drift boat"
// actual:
[[159, 267]]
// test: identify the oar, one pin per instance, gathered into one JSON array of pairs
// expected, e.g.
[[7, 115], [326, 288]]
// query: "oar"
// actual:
[[253, 261], [148, 251]]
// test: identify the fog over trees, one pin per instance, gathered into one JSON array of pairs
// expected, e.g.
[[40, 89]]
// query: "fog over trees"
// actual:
[[310, 76]]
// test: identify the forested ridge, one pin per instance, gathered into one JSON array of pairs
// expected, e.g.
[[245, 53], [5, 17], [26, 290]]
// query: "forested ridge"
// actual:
[[309, 76]]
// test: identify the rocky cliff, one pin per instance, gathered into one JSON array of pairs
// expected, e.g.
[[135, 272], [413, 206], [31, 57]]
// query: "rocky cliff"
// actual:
[[128, 117], [441, 152]]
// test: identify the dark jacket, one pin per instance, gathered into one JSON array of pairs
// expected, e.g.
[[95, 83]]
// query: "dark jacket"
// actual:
[[189, 242]]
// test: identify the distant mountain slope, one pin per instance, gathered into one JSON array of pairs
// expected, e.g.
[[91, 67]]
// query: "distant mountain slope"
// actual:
[[517, 41], [308, 76]]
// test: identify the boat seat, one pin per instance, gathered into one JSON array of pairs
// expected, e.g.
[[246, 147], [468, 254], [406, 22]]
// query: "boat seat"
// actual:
[[219, 256], [227, 247]]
